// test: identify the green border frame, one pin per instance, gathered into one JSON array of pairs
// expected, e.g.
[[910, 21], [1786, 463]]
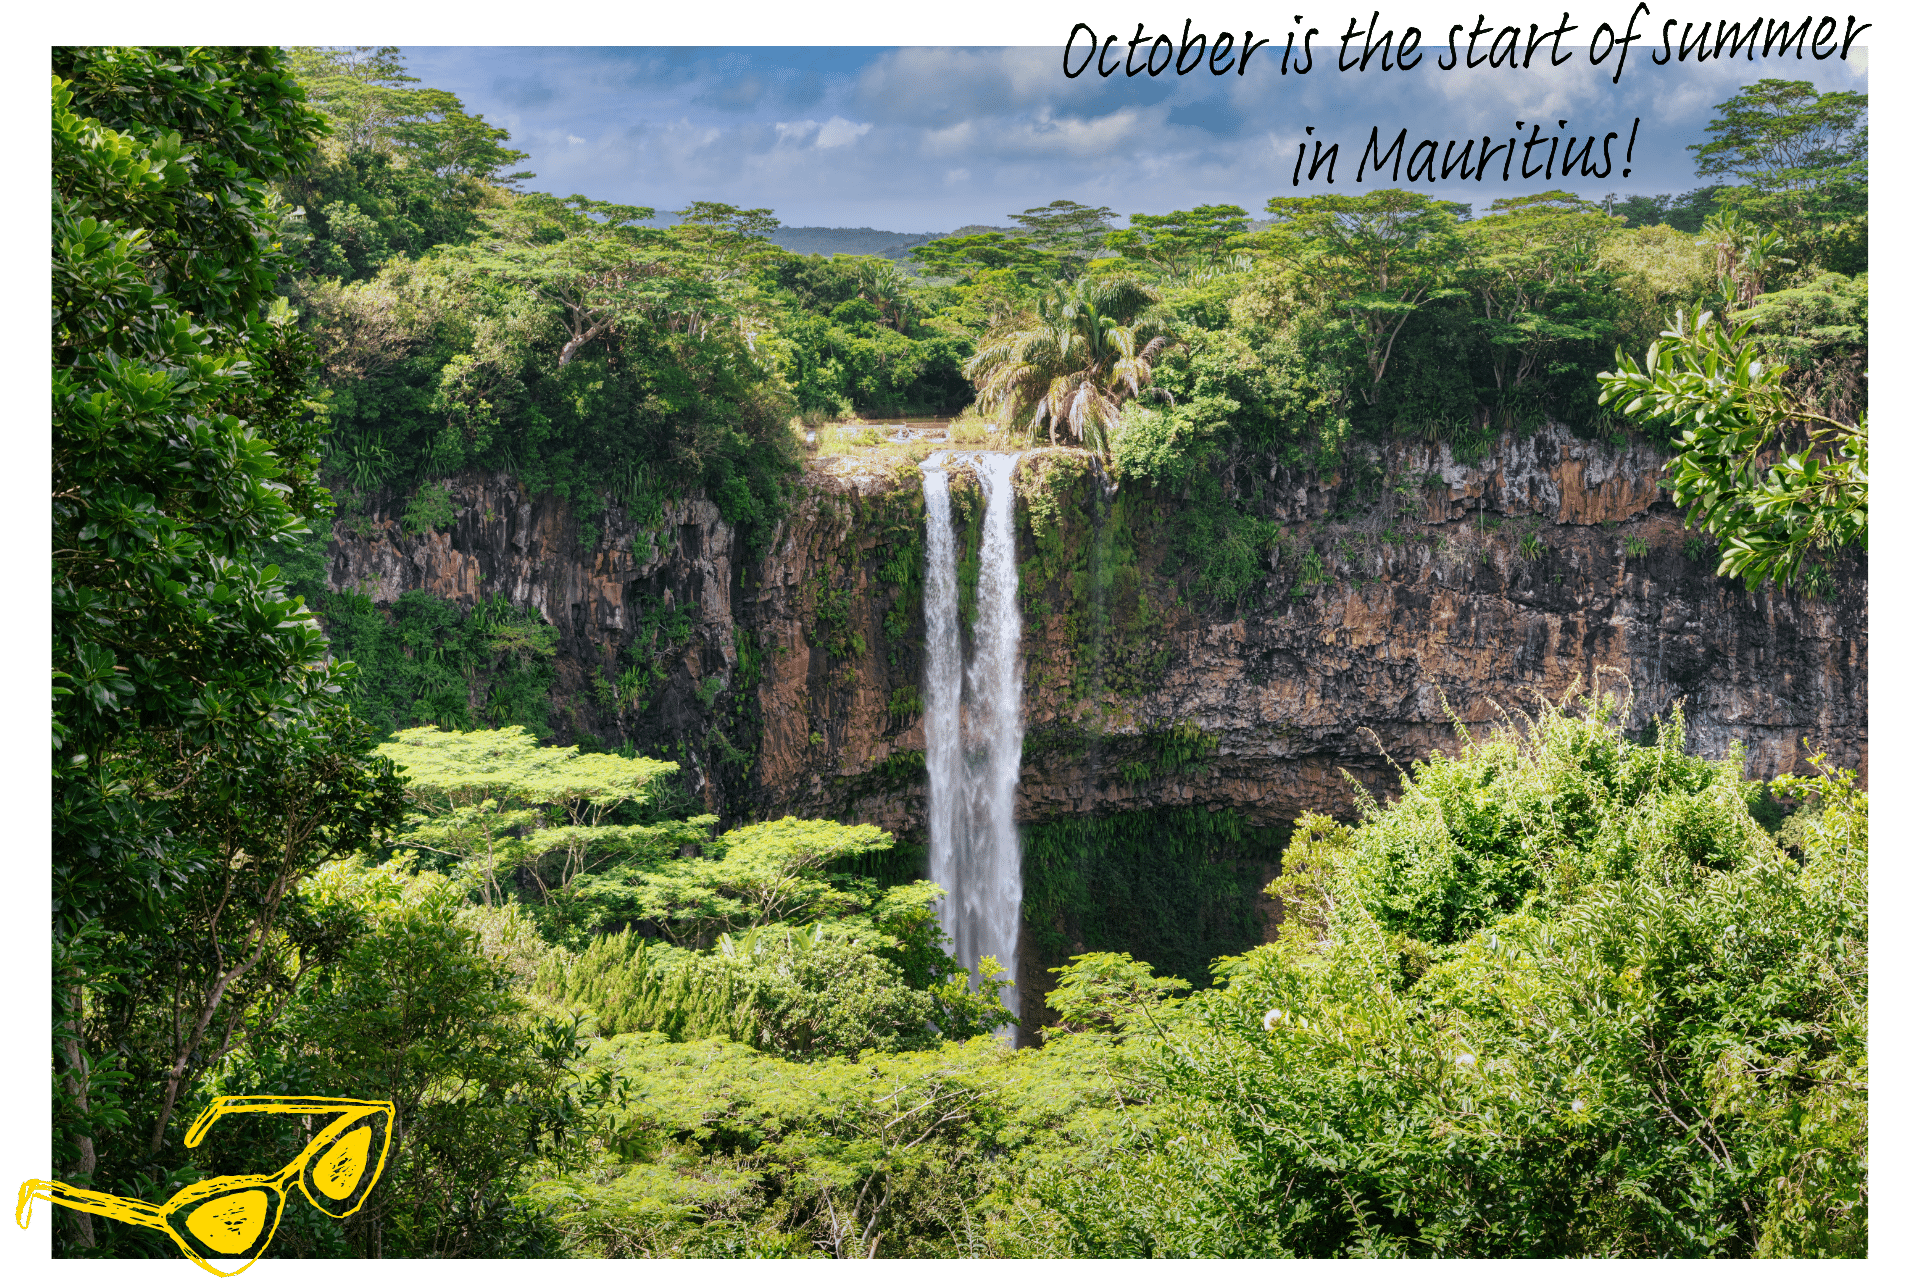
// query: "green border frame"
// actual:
[[24, 497]]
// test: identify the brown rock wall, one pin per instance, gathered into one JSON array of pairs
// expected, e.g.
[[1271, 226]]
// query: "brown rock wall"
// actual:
[[1433, 612]]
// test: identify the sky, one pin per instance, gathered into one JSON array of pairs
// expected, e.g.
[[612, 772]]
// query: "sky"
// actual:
[[924, 139]]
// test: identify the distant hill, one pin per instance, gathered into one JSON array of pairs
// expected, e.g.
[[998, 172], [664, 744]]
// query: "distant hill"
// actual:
[[828, 241]]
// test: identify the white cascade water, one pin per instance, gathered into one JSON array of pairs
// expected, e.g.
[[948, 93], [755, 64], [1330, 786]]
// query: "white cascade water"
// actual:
[[974, 726]]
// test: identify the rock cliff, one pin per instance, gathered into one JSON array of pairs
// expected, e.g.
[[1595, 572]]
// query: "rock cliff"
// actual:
[[1412, 590]]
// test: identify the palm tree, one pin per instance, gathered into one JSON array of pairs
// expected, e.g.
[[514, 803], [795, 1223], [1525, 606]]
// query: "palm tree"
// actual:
[[1744, 255], [1087, 350], [886, 286]]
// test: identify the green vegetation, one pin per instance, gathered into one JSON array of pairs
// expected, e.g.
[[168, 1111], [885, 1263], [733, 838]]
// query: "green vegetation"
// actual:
[[1572, 992], [202, 765], [1174, 886], [1515, 1013], [1775, 520], [421, 660], [1512, 1012], [431, 507], [1091, 350]]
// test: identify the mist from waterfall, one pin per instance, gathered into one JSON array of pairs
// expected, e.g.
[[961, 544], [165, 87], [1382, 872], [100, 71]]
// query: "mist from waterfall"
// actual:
[[974, 721]]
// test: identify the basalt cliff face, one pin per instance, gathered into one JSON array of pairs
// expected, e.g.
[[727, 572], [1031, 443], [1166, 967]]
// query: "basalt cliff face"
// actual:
[[1456, 590]]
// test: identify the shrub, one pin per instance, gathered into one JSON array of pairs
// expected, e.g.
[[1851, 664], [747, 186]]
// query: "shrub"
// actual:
[[431, 507], [1562, 997]]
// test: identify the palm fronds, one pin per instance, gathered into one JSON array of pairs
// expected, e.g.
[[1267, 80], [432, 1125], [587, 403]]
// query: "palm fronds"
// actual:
[[1074, 361]]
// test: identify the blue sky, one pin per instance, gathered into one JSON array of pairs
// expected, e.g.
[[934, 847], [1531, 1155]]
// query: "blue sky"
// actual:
[[930, 138]]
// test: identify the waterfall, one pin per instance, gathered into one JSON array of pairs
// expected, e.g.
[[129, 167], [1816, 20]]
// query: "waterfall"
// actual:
[[974, 725]]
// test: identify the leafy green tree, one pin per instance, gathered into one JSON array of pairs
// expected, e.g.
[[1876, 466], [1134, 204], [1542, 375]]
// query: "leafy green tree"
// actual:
[[1683, 212], [590, 259], [361, 89], [1183, 238], [493, 802], [889, 289], [1065, 226], [1782, 486], [1088, 349], [403, 170], [1374, 259], [184, 458], [1819, 331], [1744, 256], [716, 1150], [1535, 273], [454, 361], [832, 990], [966, 257], [1113, 993], [767, 873], [728, 242], [1802, 155], [1515, 1013], [418, 1012]]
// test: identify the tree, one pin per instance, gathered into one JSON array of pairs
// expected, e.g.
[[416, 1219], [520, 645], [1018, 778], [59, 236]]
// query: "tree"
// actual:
[[264, 821], [1088, 349], [775, 941], [1183, 238], [767, 873], [1065, 226], [403, 170], [1528, 1026], [184, 458], [1683, 212], [418, 1012], [1744, 255], [965, 257], [1374, 259], [1780, 484], [588, 258], [730, 241], [360, 88], [1801, 154], [495, 802], [1535, 272], [889, 289]]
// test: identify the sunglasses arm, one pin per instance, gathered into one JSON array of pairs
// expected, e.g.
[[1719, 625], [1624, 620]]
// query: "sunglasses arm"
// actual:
[[136, 1212], [226, 1105]]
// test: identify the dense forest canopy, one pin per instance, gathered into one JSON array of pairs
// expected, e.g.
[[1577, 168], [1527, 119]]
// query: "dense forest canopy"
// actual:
[[1570, 993], [607, 359]]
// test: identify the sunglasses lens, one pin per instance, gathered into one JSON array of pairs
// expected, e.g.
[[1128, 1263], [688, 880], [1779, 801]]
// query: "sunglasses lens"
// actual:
[[229, 1226], [338, 1178], [339, 1169]]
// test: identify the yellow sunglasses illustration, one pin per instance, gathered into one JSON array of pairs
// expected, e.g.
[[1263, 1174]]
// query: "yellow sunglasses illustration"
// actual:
[[225, 1223]]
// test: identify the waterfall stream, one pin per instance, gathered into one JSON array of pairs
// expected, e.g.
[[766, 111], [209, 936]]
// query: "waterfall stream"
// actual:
[[974, 722]]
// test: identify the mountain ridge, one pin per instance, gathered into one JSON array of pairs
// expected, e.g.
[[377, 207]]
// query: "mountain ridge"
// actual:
[[828, 241]]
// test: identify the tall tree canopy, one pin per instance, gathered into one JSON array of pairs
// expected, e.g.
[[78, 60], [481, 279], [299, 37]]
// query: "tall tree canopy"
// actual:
[[1783, 136], [402, 168], [194, 710]]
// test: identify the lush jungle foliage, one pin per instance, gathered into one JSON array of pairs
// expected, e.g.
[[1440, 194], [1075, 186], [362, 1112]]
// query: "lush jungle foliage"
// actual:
[[1571, 993], [461, 322], [203, 763]]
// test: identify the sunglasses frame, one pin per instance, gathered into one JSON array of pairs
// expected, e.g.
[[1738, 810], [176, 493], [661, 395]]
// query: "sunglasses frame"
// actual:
[[352, 1112]]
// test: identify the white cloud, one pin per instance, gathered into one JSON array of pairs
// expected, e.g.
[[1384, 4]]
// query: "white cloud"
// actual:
[[927, 138], [838, 132]]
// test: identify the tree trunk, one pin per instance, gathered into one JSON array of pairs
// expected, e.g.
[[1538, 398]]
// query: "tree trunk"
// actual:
[[580, 340], [79, 1225]]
